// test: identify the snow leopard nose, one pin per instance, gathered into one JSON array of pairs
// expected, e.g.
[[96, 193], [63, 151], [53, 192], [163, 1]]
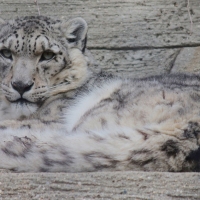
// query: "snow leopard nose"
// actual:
[[21, 87]]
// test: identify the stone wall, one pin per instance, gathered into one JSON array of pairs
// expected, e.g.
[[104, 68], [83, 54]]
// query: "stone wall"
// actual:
[[132, 38]]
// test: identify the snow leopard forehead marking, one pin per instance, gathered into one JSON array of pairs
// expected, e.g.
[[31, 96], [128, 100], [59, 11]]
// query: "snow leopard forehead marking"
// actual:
[[29, 25], [23, 34]]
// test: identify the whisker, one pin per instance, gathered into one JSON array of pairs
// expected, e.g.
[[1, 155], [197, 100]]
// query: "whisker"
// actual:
[[28, 107]]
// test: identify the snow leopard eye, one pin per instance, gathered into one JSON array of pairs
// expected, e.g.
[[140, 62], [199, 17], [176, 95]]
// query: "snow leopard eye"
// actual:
[[6, 53], [47, 55]]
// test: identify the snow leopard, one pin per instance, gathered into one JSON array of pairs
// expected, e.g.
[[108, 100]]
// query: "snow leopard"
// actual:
[[58, 114]]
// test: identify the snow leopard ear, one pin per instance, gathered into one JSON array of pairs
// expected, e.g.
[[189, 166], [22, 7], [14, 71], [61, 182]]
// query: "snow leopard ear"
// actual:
[[75, 31]]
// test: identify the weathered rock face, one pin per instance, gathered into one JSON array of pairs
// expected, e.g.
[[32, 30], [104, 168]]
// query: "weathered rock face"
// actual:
[[131, 37], [90, 186], [134, 38]]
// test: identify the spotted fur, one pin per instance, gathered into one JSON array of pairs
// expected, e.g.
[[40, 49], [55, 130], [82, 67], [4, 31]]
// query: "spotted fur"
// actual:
[[61, 115]]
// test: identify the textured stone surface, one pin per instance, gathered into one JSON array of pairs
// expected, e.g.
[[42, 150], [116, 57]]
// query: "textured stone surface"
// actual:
[[121, 28], [129, 37], [188, 60], [90, 186], [122, 24], [134, 63]]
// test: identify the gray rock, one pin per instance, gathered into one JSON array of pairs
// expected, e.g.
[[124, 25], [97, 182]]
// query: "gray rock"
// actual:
[[101, 185], [130, 37], [188, 60]]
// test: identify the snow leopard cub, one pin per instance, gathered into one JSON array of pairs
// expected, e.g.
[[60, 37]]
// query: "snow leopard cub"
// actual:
[[58, 114]]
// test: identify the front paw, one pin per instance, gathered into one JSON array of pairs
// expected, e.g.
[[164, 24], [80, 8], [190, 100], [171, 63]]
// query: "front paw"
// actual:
[[18, 146]]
